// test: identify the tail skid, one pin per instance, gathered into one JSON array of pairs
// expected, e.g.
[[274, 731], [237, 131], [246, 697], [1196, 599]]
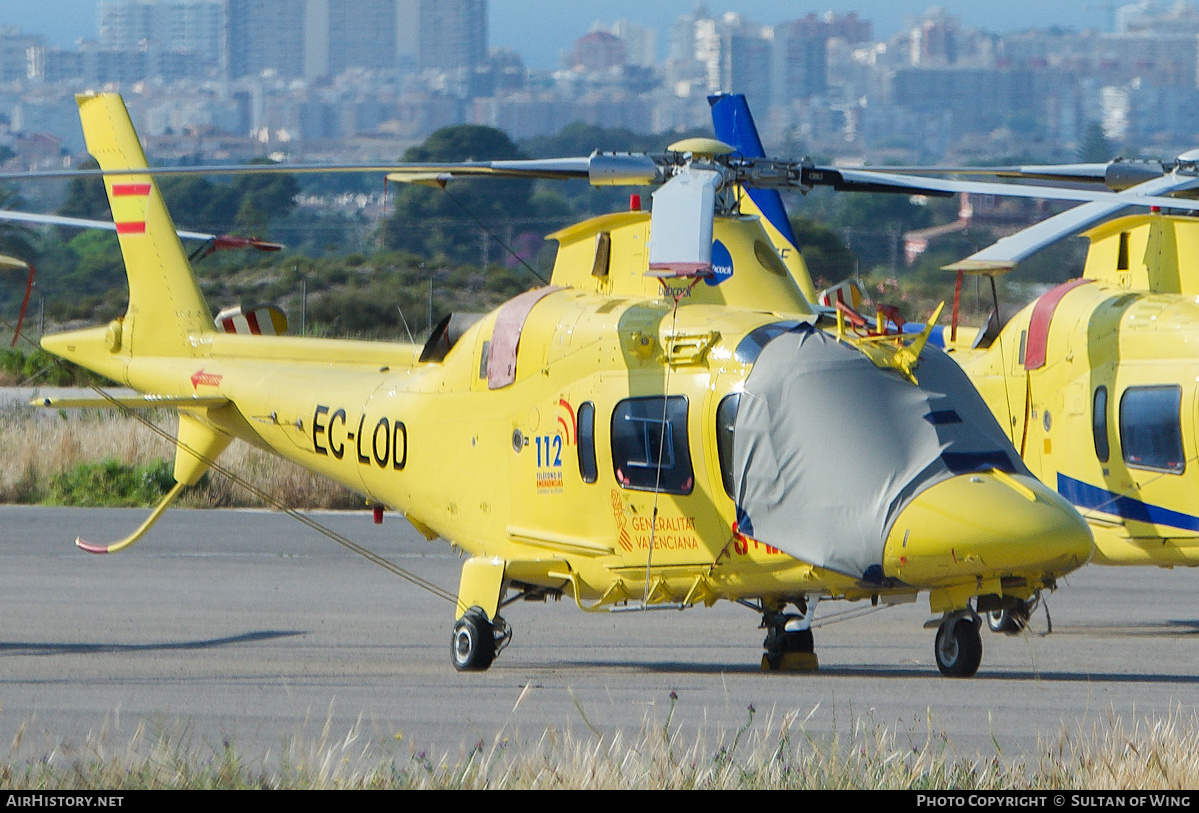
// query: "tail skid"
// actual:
[[114, 547]]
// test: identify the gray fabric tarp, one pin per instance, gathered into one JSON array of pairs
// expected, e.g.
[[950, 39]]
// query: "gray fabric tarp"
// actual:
[[829, 448]]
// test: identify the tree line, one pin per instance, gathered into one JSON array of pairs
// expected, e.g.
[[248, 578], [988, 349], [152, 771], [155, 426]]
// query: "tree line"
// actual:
[[434, 250]]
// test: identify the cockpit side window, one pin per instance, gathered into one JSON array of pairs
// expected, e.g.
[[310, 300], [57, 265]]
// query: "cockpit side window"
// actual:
[[1151, 428], [649, 445], [588, 469], [1099, 424], [726, 418]]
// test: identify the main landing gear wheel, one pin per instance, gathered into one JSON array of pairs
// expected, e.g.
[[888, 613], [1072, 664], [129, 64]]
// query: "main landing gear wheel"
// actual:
[[959, 646], [789, 644], [1011, 621], [476, 641]]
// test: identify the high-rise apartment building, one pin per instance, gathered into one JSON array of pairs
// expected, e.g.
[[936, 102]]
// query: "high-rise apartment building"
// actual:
[[736, 56], [263, 35], [125, 23], [192, 26], [18, 53], [344, 34], [801, 53], [640, 42], [800, 60], [452, 34], [315, 38], [180, 26]]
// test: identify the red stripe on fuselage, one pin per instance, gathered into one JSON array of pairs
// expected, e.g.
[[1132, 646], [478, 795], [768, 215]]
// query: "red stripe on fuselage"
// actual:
[[1038, 325]]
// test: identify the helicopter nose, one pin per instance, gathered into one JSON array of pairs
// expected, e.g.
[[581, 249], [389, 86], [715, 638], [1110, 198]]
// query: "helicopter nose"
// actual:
[[986, 524]]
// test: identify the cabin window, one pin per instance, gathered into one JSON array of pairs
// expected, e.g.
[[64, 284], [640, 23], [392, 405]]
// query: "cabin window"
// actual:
[[1151, 428], [726, 417], [1099, 424], [1122, 256], [586, 442], [603, 255], [483, 358], [649, 445]]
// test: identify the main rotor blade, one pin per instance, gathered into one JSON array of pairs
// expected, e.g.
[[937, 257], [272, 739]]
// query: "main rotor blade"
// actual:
[[210, 169], [632, 169], [600, 169], [1004, 254], [874, 181], [82, 223], [1064, 172], [550, 168], [216, 242], [1116, 175]]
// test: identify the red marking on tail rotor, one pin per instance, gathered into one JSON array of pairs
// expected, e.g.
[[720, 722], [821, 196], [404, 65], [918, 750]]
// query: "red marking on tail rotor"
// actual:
[[252, 321]]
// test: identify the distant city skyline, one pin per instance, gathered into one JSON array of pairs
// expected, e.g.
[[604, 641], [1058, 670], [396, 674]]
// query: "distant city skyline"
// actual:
[[540, 30]]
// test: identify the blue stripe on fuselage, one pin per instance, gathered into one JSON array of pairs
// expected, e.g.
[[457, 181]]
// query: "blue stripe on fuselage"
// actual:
[[1084, 495]]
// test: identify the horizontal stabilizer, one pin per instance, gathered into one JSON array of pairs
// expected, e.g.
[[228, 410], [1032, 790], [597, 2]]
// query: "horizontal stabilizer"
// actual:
[[131, 402]]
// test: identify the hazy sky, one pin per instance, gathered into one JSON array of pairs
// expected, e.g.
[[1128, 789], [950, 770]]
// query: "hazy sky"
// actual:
[[540, 29]]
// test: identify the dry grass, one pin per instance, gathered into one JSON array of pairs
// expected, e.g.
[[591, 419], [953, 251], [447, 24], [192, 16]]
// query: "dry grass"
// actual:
[[1154, 754], [38, 444]]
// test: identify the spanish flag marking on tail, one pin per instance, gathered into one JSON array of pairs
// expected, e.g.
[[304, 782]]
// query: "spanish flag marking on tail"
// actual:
[[129, 204]]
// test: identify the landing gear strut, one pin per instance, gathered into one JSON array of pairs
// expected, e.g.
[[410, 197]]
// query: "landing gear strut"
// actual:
[[476, 640], [789, 644], [959, 647]]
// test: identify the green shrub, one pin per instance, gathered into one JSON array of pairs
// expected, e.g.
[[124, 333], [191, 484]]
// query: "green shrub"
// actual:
[[111, 483], [39, 368]]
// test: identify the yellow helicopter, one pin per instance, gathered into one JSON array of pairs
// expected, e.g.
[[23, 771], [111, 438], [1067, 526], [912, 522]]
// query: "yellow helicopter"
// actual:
[[641, 433], [1094, 381], [1097, 378]]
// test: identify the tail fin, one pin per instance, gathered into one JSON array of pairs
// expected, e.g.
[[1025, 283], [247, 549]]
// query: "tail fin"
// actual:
[[734, 125], [166, 306]]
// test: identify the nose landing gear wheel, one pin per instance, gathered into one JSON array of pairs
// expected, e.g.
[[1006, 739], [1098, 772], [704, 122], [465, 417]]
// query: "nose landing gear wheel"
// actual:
[[473, 643], [1012, 620], [959, 647], [788, 650]]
